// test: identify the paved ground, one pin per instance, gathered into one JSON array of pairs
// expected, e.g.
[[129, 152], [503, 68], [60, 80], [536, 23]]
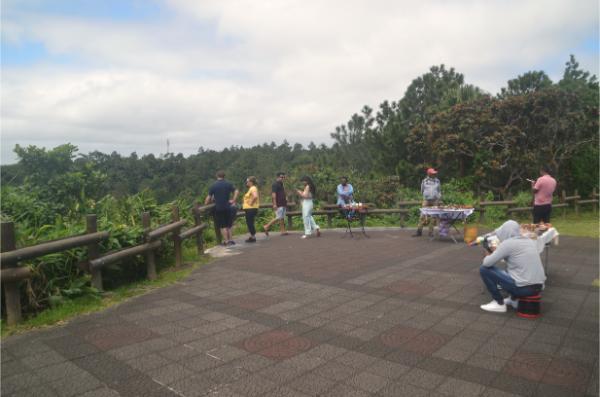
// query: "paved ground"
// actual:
[[385, 316]]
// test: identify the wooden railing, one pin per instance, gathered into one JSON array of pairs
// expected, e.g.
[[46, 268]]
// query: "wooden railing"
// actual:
[[11, 274], [403, 208]]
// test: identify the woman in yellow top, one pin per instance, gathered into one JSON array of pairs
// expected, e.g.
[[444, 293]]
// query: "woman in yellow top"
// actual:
[[251, 205]]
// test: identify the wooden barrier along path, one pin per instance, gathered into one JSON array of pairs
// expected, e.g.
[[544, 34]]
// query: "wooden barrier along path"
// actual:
[[11, 274]]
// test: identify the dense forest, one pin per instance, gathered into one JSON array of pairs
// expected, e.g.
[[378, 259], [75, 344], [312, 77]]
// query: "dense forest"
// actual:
[[481, 143], [488, 143]]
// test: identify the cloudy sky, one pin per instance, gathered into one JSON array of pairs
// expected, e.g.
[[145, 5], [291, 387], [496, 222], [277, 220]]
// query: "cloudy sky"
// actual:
[[126, 75]]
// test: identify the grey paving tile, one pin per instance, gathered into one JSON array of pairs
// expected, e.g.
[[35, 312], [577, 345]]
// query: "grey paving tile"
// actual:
[[355, 360], [169, 373], [253, 362], [148, 362], [367, 381], [403, 357], [343, 390], [37, 391], [58, 371], [106, 368], [487, 362], [194, 386], [75, 386], [439, 365], [491, 392], [422, 378], [39, 360], [460, 388], [200, 363], [396, 389], [253, 385], [387, 369], [13, 367], [14, 383], [475, 374], [326, 351], [515, 385], [311, 384], [283, 391], [142, 386], [557, 391]]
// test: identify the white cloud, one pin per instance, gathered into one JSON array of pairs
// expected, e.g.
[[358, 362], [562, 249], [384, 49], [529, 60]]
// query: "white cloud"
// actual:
[[221, 73]]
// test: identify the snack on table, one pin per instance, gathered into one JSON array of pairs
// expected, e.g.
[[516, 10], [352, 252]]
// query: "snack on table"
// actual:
[[532, 230], [452, 207]]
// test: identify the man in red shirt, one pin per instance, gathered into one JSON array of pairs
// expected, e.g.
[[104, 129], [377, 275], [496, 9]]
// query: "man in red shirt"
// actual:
[[543, 188]]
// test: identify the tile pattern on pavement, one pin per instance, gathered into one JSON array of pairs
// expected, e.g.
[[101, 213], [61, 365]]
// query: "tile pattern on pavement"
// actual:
[[330, 316]]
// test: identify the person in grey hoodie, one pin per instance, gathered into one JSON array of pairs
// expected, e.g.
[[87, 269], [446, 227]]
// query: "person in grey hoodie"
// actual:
[[524, 275], [431, 189]]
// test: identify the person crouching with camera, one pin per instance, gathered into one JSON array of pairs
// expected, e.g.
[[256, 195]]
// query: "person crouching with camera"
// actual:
[[524, 274]]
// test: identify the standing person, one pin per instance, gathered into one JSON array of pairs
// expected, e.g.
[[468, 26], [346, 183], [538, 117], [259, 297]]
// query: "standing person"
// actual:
[[250, 206], [307, 195], [431, 189], [524, 275], [279, 204], [345, 192], [220, 193], [543, 188]]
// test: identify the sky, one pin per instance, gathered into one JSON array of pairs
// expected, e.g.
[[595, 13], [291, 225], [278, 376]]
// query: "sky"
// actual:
[[130, 75]]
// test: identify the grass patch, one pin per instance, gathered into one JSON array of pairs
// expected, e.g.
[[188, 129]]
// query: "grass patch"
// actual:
[[587, 224], [88, 304]]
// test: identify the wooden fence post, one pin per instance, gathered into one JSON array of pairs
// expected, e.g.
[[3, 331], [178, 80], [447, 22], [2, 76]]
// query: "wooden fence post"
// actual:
[[481, 214], [199, 236], [290, 222], [176, 239], [12, 294], [508, 206], [94, 251], [329, 221], [576, 202], [564, 200], [150, 262]]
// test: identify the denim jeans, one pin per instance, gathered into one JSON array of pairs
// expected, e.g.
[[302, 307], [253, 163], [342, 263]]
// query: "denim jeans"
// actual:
[[492, 277], [309, 221], [250, 216]]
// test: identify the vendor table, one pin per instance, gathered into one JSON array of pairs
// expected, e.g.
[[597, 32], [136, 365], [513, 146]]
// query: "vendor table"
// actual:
[[353, 213], [543, 242], [449, 217]]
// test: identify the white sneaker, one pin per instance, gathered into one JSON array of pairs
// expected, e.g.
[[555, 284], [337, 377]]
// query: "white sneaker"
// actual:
[[495, 307], [304, 236], [512, 303]]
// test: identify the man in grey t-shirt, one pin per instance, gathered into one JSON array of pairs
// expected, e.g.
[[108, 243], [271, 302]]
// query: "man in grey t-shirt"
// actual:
[[431, 189], [524, 275]]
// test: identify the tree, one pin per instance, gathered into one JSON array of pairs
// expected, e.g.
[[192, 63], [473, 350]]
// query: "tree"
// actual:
[[527, 83]]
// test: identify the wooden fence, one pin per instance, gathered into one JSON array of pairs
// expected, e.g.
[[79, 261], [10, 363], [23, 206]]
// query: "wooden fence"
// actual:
[[10, 256], [11, 274]]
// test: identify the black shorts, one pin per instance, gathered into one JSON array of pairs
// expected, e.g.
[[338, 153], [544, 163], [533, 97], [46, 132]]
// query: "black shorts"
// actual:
[[223, 218], [542, 213]]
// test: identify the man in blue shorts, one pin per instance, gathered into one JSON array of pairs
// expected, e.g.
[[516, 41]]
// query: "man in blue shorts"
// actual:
[[220, 193]]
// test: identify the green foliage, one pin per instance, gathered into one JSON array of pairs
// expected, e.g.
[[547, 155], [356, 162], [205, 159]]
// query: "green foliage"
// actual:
[[526, 84]]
